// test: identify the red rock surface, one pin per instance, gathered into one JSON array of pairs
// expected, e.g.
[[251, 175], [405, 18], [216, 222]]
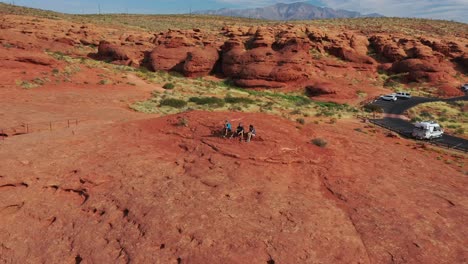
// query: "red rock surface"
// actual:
[[152, 191]]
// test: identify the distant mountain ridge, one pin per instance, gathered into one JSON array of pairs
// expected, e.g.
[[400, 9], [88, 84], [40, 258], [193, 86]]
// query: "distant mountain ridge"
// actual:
[[294, 11]]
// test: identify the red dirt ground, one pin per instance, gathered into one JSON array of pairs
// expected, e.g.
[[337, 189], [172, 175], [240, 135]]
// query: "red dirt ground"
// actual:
[[152, 191]]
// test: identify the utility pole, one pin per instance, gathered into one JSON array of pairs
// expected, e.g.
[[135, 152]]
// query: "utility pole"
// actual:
[[99, 8]]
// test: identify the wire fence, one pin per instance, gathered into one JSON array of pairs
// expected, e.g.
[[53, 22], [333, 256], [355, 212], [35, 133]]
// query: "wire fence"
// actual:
[[407, 134], [27, 128]]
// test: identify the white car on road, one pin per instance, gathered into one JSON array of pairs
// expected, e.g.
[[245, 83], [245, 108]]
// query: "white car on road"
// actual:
[[389, 97], [464, 87]]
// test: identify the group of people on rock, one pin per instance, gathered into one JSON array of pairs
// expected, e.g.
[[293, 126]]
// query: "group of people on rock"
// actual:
[[240, 131]]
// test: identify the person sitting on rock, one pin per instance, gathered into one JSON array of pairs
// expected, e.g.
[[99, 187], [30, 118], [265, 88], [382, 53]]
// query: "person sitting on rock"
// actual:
[[251, 133], [239, 132], [227, 128]]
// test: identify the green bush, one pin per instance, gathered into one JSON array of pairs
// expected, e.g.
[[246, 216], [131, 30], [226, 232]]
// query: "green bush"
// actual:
[[169, 86], [238, 100], [319, 142], [172, 102], [212, 101]]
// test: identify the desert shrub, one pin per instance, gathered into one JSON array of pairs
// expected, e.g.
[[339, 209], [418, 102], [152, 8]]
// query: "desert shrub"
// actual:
[[212, 101], [36, 82], [373, 108], [295, 112], [319, 142], [183, 122], [28, 85], [169, 86], [426, 114], [172, 102], [300, 121], [327, 113], [238, 100], [104, 82], [460, 131]]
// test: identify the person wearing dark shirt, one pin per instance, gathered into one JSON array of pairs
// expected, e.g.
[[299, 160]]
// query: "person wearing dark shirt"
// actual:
[[239, 132]]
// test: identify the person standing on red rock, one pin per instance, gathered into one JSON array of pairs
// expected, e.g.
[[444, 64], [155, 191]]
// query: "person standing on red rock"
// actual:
[[251, 133]]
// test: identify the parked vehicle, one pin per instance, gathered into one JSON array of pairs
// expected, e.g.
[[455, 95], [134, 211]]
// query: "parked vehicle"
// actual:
[[403, 95], [464, 87], [389, 97], [427, 130]]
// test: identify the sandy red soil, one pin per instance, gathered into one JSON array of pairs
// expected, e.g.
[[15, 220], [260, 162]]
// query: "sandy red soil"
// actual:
[[152, 191]]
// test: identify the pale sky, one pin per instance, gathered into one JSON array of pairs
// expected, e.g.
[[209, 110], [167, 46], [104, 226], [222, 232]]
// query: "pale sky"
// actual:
[[436, 9]]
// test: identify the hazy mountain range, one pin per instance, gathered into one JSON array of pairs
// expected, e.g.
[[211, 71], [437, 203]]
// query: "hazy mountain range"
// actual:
[[294, 11]]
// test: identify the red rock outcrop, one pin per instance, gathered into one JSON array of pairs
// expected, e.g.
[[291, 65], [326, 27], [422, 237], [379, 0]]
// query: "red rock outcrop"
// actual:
[[349, 47], [184, 52], [385, 46], [200, 62], [267, 59], [118, 54], [276, 56], [112, 51]]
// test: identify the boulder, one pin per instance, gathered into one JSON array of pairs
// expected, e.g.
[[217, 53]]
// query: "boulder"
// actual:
[[413, 65], [349, 54], [36, 59], [388, 48], [189, 52], [169, 59], [263, 65], [360, 44], [107, 50], [200, 62], [463, 62], [320, 88], [66, 41]]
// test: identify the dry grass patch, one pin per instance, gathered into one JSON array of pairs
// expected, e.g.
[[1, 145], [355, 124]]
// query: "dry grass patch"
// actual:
[[452, 116]]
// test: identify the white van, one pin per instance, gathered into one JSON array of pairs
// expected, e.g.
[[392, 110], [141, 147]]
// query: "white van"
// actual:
[[427, 130], [403, 95]]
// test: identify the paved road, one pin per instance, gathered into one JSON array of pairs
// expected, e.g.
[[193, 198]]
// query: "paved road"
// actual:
[[401, 105], [405, 127]]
